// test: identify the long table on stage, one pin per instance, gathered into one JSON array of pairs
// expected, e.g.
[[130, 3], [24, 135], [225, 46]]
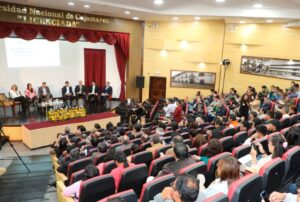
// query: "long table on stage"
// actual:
[[41, 134]]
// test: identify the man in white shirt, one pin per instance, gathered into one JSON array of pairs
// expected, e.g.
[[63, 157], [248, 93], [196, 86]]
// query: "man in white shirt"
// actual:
[[170, 108]]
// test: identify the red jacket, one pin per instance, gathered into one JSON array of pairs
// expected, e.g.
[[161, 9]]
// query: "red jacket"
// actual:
[[177, 113]]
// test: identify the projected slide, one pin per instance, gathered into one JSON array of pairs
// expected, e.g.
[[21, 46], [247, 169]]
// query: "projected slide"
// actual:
[[35, 53]]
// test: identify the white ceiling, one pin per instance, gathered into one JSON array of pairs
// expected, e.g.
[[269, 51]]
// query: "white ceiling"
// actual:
[[231, 10]]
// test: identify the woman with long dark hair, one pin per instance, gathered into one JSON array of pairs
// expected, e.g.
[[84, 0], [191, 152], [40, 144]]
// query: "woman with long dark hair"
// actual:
[[244, 107]]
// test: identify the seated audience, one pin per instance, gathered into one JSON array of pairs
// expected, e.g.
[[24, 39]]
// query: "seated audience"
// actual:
[[176, 139], [185, 188], [261, 131], [155, 144], [273, 126], [122, 163], [232, 121], [125, 143], [217, 132], [227, 172], [145, 138], [214, 147], [286, 197], [15, 94], [90, 171], [244, 126], [137, 130], [199, 140], [74, 155], [182, 160]]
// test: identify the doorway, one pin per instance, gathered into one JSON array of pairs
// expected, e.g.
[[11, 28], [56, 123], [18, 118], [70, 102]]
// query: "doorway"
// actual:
[[157, 88]]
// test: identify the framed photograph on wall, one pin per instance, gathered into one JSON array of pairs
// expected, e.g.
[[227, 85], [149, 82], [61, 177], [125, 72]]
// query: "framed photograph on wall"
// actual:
[[271, 67], [192, 79]]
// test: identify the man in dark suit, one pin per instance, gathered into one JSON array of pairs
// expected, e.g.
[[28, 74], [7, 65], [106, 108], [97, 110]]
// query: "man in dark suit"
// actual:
[[44, 92], [94, 91], [67, 94], [182, 160], [80, 91], [107, 95]]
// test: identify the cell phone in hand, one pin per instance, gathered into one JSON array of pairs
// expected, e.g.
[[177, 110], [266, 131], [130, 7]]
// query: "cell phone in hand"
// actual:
[[264, 196]]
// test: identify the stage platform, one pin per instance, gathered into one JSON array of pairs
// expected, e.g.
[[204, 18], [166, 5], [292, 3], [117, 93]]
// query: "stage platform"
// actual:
[[42, 134]]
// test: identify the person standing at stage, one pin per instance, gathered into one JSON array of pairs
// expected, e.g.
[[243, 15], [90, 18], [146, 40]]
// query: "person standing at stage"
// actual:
[[15, 94], [67, 94], [44, 92], [80, 91], [107, 94], [93, 93]]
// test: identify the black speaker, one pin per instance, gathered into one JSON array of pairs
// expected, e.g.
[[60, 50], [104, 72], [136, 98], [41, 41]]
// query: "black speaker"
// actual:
[[226, 62], [140, 81]]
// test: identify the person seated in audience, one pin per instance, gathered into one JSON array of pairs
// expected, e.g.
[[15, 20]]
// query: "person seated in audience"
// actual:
[[80, 91], [176, 139], [122, 163], [200, 121], [94, 92], [74, 155], [252, 116], [135, 148], [137, 130], [293, 136], [199, 140], [185, 188], [269, 116], [102, 149], [214, 147], [286, 197], [60, 145], [285, 110], [228, 171], [97, 126], [31, 95], [219, 126], [256, 122], [144, 138], [232, 121], [244, 107], [155, 144], [182, 160], [44, 92], [170, 108], [113, 139], [273, 126], [278, 115], [67, 94], [90, 171], [15, 94], [177, 115], [125, 143], [261, 131], [276, 146], [244, 126]]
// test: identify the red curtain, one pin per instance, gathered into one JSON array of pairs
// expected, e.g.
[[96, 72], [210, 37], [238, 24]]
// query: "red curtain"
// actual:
[[119, 40], [94, 67]]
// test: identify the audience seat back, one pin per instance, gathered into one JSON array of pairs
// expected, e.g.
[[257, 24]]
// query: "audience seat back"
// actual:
[[227, 143], [194, 169], [162, 149], [247, 188], [77, 176], [185, 135], [99, 158], [188, 142], [108, 167], [272, 174], [136, 141], [145, 145], [78, 165], [251, 132], [92, 150], [128, 196], [142, 157], [285, 122], [155, 186], [157, 164], [239, 152], [240, 137], [105, 187], [133, 177], [202, 149], [228, 131], [292, 164]]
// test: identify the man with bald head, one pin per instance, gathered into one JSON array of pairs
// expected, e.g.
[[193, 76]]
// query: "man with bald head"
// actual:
[[80, 91]]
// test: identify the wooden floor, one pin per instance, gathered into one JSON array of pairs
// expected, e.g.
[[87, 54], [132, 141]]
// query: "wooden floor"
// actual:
[[20, 185]]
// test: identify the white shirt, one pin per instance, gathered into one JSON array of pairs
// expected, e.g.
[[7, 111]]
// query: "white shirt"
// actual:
[[170, 109], [14, 94], [68, 89], [285, 116], [93, 89], [215, 187], [44, 91]]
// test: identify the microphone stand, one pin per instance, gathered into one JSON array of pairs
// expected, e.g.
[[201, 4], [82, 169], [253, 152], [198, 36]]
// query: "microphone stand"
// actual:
[[12, 146]]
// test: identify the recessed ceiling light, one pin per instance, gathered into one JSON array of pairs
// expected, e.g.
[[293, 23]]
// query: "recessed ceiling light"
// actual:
[[163, 53], [86, 6], [71, 4], [220, 1], [269, 21], [127, 12], [242, 22], [175, 18], [257, 5], [135, 18], [158, 2], [197, 18]]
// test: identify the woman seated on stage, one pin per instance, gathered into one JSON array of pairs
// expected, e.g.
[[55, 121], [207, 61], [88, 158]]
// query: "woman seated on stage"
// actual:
[[15, 94], [30, 94]]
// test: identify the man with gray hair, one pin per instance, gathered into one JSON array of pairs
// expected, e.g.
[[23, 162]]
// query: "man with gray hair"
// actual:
[[74, 155], [155, 144], [159, 131], [125, 143]]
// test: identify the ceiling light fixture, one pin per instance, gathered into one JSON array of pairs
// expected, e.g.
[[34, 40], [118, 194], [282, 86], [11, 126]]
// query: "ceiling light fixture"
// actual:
[[184, 44], [220, 1], [71, 4], [163, 53], [197, 18], [242, 22], [201, 65], [135, 18], [86, 6], [257, 5], [175, 18], [127, 12], [158, 2], [269, 21]]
